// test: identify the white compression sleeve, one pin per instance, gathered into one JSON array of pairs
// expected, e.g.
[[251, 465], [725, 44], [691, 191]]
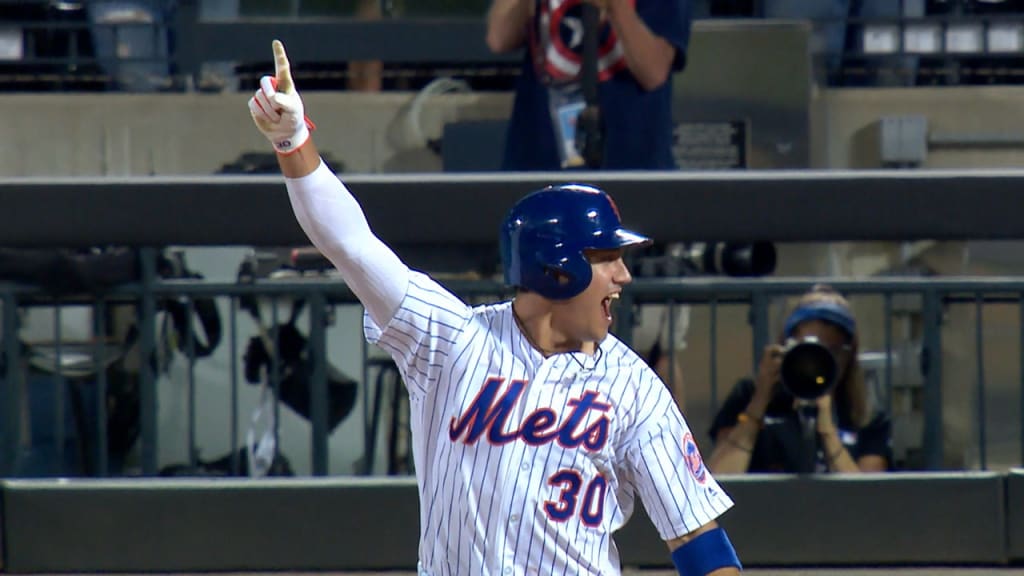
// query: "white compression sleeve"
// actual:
[[333, 220]]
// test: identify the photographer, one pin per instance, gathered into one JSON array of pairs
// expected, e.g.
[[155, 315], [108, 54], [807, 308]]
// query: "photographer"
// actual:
[[760, 427], [642, 43]]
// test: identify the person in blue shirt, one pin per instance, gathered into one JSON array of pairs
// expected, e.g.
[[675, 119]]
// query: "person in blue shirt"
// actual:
[[641, 43]]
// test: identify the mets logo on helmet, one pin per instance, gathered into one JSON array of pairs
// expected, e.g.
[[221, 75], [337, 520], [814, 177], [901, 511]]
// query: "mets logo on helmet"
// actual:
[[693, 460]]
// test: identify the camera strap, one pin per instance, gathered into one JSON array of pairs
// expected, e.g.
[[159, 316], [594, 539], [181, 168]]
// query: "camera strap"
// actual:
[[807, 413], [590, 128]]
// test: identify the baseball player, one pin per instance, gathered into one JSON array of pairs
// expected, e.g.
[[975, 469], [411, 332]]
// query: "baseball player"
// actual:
[[534, 428]]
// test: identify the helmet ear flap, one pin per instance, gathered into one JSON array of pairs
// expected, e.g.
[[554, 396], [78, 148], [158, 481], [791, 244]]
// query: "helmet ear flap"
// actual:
[[561, 275]]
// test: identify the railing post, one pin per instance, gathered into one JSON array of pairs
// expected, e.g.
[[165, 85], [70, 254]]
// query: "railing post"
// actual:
[[670, 346], [1020, 384], [99, 330], [12, 387], [275, 375], [318, 400], [190, 383], [60, 402], [368, 439], [932, 364], [713, 352], [147, 347], [233, 359], [887, 315], [758, 324], [979, 349]]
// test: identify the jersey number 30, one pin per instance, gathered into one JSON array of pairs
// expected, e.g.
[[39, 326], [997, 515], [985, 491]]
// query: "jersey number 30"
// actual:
[[592, 505]]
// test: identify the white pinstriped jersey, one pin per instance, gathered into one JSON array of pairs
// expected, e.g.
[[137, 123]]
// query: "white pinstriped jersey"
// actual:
[[527, 464]]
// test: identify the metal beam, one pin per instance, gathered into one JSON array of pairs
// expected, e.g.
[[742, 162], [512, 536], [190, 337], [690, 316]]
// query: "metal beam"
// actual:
[[440, 210], [339, 524]]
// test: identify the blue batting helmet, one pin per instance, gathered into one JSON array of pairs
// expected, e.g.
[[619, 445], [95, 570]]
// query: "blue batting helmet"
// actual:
[[544, 236]]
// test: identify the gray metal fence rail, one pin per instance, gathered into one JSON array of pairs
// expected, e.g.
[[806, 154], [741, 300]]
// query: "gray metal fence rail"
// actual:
[[714, 292]]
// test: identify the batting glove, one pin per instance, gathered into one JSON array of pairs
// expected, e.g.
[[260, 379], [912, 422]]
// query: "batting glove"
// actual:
[[277, 109]]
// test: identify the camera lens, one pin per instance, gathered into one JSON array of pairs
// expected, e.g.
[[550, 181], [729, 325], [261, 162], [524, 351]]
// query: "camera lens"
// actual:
[[757, 259], [808, 369]]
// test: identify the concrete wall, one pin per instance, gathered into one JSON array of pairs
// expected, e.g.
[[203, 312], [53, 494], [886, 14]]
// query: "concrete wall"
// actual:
[[337, 524], [842, 116], [133, 134]]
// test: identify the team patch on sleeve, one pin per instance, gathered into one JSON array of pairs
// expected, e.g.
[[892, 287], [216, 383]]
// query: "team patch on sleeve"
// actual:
[[694, 463]]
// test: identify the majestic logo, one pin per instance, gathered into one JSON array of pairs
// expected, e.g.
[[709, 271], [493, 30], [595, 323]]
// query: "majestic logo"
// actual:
[[693, 460], [488, 415], [557, 42]]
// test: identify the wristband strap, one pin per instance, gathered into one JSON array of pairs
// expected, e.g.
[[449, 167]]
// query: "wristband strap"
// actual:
[[705, 554]]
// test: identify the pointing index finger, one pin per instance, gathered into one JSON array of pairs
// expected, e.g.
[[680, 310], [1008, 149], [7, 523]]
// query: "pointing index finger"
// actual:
[[282, 69]]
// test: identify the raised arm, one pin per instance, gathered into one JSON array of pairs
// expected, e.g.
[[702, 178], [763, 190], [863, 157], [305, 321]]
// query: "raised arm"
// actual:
[[329, 215]]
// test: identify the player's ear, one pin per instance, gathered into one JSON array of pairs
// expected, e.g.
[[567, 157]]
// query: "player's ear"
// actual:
[[561, 277]]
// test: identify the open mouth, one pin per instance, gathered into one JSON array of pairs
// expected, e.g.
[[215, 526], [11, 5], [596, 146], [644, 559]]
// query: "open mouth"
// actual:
[[606, 305]]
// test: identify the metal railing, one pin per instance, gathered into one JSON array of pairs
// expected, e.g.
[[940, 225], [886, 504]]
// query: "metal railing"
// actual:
[[759, 295]]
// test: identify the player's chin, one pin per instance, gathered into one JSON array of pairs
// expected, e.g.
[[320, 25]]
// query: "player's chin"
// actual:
[[599, 333]]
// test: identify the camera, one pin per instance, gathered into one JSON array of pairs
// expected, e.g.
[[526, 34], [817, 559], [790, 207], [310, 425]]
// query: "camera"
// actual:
[[705, 258], [809, 369]]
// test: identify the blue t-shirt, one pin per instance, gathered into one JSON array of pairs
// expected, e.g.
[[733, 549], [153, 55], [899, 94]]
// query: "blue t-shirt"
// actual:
[[637, 123]]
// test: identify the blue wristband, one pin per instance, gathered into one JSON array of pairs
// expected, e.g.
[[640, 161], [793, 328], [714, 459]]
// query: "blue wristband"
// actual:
[[705, 554]]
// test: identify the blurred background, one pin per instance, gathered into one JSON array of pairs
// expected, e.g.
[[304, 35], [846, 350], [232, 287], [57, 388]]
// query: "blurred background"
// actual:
[[163, 316]]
